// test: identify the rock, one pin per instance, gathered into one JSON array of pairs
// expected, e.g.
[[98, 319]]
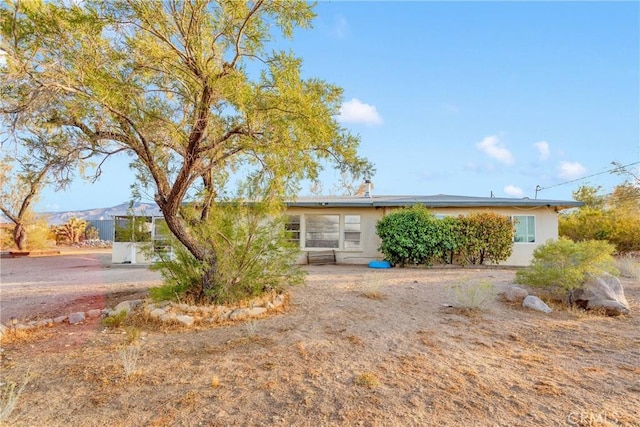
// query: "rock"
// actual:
[[536, 303], [185, 320], [239, 314], [601, 291], [256, 311], [44, 322], [59, 319], [75, 318], [168, 317], [515, 294], [94, 313], [127, 306], [3, 330], [156, 313], [21, 327], [278, 300]]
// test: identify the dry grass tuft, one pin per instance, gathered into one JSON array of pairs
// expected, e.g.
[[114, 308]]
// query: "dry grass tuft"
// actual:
[[355, 340], [302, 350], [370, 286], [629, 266], [129, 356], [9, 395], [367, 379], [472, 295]]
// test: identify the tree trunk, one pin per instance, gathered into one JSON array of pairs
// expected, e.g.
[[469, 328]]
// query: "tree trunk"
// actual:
[[204, 253], [20, 236], [209, 276]]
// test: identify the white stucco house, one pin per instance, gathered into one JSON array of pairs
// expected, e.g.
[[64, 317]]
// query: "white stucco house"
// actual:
[[345, 226]]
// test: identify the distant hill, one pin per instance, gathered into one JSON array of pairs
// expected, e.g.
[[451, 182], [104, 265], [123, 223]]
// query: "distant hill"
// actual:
[[103, 213]]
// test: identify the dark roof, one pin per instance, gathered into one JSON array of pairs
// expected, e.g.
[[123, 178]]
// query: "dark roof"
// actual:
[[436, 201]]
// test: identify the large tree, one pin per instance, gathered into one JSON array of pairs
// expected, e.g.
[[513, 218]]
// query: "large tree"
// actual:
[[28, 164], [190, 87]]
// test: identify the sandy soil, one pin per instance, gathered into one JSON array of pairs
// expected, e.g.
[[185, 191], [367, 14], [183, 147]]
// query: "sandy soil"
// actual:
[[353, 347]]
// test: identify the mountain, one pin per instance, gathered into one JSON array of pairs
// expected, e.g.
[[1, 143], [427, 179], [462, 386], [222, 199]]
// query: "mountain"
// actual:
[[104, 213]]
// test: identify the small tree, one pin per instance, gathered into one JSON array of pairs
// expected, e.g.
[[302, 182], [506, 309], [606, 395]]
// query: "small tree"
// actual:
[[564, 265], [72, 231], [485, 237], [255, 254]]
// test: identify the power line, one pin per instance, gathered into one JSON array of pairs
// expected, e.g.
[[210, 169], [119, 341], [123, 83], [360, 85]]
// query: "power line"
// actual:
[[538, 188]]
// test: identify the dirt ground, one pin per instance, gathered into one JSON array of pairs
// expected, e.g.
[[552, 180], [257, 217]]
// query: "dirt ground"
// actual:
[[354, 347]]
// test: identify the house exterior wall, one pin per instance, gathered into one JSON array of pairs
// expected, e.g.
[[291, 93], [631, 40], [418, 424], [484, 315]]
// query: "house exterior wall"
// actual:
[[546, 227], [130, 253]]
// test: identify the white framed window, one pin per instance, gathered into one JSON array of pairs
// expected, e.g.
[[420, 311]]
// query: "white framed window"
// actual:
[[322, 231], [352, 231], [525, 228], [293, 227]]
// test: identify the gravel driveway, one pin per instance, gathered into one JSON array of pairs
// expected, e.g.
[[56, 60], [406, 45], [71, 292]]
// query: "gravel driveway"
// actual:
[[33, 287]]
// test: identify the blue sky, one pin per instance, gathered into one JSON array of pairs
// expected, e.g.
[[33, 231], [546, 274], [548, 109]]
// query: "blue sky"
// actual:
[[466, 98]]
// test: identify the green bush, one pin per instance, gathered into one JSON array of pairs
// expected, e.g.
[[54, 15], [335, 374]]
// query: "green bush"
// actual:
[[563, 265], [254, 256], [408, 236], [484, 237], [448, 239]]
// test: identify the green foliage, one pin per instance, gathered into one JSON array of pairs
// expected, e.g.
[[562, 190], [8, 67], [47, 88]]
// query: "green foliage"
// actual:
[[181, 271], [415, 236], [564, 265], [132, 229], [116, 320], [484, 237], [613, 218], [254, 255], [168, 83], [449, 241], [407, 236]]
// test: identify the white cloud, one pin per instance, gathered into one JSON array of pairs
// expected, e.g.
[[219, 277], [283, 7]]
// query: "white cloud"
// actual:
[[356, 111], [512, 190], [571, 170], [340, 27], [492, 147], [543, 149]]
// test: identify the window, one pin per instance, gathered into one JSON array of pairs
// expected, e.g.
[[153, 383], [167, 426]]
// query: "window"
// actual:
[[351, 231], [322, 231], [132, 229], [525, 228], [161, 236], [293, 228]]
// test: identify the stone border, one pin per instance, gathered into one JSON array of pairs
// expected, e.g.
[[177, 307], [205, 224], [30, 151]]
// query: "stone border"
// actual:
[[165, 312]]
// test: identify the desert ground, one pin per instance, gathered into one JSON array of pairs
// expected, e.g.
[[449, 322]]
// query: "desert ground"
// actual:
[[353, 347]]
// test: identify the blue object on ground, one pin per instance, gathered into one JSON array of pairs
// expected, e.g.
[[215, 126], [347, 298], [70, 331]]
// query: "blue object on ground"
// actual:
[[379, 264]]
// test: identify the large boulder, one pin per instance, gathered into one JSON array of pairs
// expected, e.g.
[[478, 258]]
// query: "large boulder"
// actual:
[[536, 303], [602, 291], [515, 294]]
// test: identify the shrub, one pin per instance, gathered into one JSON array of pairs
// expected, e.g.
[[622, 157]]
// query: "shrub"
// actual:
[[116, 320], [407, 236], [449, 239], [472, 296], [564, 265], [484, 236], [254, 256]]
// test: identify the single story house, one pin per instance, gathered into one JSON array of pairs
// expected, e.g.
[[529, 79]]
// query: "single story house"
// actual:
[[345, 226]]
